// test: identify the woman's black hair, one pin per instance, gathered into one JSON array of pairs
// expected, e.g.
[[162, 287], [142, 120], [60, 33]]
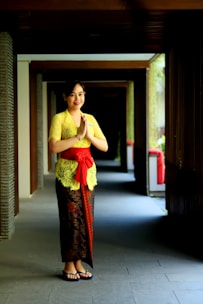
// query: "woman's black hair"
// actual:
[[69, 86]]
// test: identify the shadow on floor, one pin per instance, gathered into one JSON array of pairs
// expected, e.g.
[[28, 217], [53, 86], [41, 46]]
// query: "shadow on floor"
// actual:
[[181, 233], [146, 228]]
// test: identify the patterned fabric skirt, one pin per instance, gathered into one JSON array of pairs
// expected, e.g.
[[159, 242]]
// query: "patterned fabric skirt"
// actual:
[[76, 209]]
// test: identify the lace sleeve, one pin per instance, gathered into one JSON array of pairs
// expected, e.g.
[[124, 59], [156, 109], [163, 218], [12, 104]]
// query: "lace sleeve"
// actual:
[[55, 128]]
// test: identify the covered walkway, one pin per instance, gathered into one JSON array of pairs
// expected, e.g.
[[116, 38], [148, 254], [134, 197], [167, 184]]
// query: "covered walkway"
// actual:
[[135, 261]]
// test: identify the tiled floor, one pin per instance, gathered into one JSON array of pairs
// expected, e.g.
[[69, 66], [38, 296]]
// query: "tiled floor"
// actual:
[[136, 259]]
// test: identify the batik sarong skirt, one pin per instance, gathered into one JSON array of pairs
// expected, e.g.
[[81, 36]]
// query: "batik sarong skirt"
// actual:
[[76, 223]]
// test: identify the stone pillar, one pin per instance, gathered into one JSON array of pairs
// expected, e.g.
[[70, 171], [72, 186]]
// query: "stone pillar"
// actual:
[[45, 128], [7, 139], [40, 166], [23, 129], [53, 112]]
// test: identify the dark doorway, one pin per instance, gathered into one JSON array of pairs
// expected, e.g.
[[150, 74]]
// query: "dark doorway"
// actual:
[[108, 105]]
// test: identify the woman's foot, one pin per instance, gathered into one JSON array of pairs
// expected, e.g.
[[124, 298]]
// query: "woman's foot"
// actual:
[[69, 276], [70, 272], [83, 273]]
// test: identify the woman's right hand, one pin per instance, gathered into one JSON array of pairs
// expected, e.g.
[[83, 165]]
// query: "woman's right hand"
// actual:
[[82, 128]]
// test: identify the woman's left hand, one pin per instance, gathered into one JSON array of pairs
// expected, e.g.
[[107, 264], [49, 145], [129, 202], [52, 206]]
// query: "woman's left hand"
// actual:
[[82, 128], [87, 135]]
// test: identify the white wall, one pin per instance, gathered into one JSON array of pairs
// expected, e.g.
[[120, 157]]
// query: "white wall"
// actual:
[[23, 128]]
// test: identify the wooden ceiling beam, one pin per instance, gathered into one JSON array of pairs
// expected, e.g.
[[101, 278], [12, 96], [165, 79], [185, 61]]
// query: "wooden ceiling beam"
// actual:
[[65, 65], [101, 5]]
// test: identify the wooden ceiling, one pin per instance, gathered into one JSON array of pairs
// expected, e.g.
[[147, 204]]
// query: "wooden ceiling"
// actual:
[[91, 26]]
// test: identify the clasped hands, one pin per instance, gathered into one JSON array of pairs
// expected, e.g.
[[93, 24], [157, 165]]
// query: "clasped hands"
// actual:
[[83, 128]]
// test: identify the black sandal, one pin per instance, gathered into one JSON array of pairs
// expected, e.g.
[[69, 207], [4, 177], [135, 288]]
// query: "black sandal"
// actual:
[[83, 275], [70, 279]]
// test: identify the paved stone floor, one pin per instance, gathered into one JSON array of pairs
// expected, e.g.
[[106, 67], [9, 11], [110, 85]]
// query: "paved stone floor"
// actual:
[[136, 260]]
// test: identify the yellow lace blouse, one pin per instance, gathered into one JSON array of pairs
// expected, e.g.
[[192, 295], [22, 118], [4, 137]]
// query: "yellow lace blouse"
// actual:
[[63, 127]]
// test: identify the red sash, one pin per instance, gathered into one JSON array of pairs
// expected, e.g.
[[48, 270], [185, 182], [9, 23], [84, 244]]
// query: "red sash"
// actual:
[[85, 161]]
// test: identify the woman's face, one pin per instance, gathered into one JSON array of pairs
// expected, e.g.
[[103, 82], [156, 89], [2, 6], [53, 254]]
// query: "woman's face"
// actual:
[[76, 99]]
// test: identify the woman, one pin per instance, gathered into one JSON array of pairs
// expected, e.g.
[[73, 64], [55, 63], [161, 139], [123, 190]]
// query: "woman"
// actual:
[[72, 132]]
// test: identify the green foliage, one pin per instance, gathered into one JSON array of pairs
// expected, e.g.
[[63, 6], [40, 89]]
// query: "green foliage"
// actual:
[[156, 104]]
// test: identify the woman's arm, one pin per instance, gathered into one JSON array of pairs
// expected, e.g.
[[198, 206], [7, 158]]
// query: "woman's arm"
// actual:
[[100, 144], [57, 146]]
